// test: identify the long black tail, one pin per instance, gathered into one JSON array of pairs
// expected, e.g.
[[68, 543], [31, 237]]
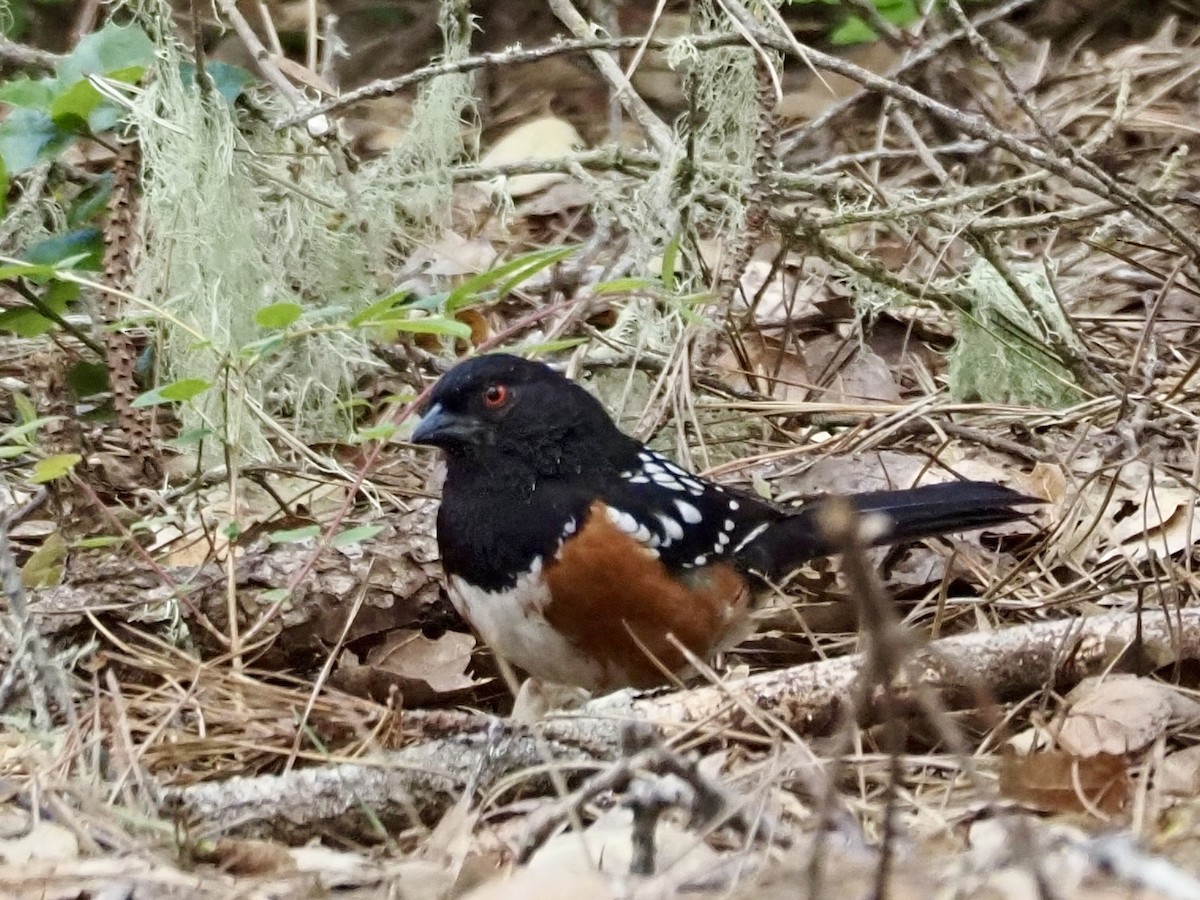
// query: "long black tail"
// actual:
[[906, 515]]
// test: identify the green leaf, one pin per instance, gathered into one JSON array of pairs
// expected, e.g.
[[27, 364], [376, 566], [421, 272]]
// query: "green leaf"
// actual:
[[429, 325], [278, 315], [292, 535], [175, 392], [504, 278], [901, 12], [99, 541], [90, 202], [626, 285], [14, 23], [184, 389], [71, 108], [3, 190], [427, 303], [27, 322], [392, 314], [83, 247], [549, 346], [381, 432], [193, 437], [29, 94], [852, 31], [229, 80], [112, 48], [54, 467], [380, 309], [26, 411], [19, 434], [355, 535], [26, 270], [27, 136], [669, 258], [109, 114], [87, 378]]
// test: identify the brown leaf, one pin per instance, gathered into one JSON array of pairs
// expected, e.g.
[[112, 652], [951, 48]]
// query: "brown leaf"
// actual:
[[1179, 774], [439, 663], [423, 670], [43, 841], [249, 857], [1054, 781], [1167, 522], [780, 294], [1114, 715], [546, 138], [778, 372]]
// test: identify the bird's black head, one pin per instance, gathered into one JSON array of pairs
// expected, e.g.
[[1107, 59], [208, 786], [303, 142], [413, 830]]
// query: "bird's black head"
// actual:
[[503, 407]]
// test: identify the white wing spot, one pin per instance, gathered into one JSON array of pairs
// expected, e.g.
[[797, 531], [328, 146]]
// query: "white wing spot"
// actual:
[[672, 529], [722, 540], [751, 536], [699, 560], [639, 479], [642, 535], [623, 520], [727, 524], [733, 505], [668, 481], [689, 513]]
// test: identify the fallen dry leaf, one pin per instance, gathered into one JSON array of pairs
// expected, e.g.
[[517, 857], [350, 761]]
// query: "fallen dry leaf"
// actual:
[[1114, 715], [608, 843], [546, 138], [424, 670], [453, 254], [1179, 774], [43, 841], [1055, 781], [779, 294], [769, 368], [440, 663], [251, 857], [1167, 522]]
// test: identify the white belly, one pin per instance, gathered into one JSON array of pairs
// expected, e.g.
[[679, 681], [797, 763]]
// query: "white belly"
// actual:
[[513, 624]]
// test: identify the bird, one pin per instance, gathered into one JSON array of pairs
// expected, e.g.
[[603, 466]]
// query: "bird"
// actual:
[[586, 559]]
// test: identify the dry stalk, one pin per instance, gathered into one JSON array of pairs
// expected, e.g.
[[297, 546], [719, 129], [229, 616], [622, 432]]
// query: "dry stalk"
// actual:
[[807, 699]]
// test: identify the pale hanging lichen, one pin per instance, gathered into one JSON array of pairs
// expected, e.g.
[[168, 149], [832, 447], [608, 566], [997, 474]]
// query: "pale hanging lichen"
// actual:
[[238, 216], [1000, 355]]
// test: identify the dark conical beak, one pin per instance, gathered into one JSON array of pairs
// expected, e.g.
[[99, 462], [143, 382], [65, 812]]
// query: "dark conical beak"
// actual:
[[440, 428]]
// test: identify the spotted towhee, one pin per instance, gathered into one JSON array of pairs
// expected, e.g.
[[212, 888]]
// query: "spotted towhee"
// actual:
[[582, 556]]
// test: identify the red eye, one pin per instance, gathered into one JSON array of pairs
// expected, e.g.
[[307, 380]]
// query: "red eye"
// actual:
[[495, 396]]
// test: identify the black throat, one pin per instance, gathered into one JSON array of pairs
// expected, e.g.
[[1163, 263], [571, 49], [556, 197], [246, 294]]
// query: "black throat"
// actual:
[[504, 508]]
